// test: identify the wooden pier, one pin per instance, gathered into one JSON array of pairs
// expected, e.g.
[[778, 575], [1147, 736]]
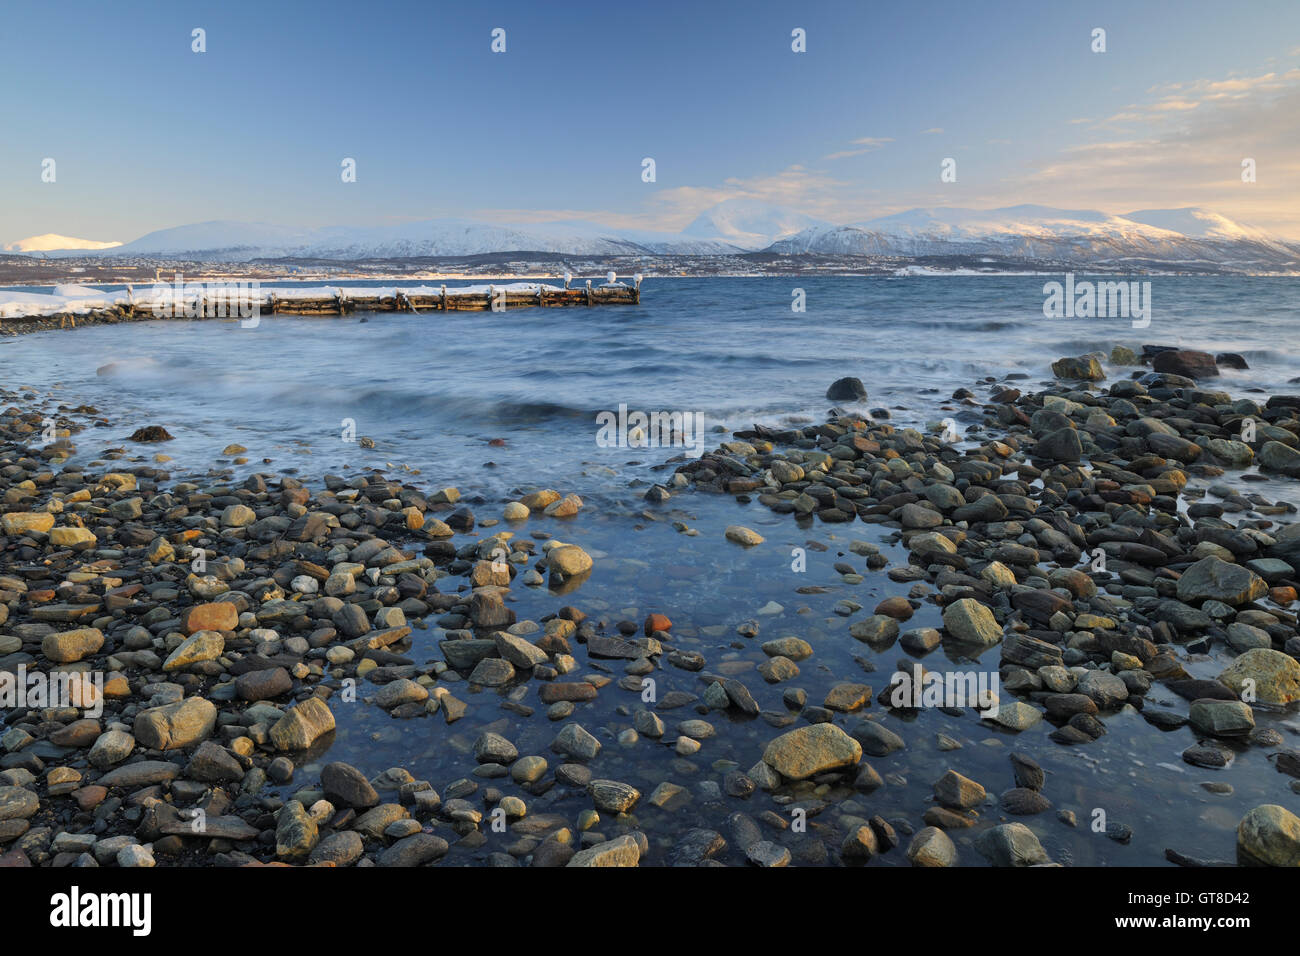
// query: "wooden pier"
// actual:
[[233, 299], [449, 300]]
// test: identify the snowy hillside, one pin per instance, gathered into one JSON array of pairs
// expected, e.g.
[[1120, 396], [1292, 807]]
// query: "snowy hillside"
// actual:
[[1044, 232], [1191, 238], [749, 223], [51, 241]]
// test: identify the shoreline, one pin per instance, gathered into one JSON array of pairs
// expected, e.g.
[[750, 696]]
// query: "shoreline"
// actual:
[[210, 677]]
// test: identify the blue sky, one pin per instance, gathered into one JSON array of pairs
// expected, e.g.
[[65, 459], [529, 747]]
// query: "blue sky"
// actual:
[[148, 134]]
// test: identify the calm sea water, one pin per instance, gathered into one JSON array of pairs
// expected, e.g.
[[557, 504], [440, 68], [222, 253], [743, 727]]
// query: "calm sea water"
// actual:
[[433, 390]]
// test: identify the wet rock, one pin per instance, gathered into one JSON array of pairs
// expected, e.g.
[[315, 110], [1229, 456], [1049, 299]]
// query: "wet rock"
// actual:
[[213, 763], [201, 646], [176, 726], [621, 851], [346, 786], [970, 622], [611, 796], [264, 684], [743, 536], [956, 792], [1023, 802], [1269, 835], [1271, 676], [296, 833], [1084, 367], [1185, 362], [574, 741], [847, 390], [1011, 844], [70, 646], [300, 727], [876, 739], [932, 847], [1216, 580], [417, 849], [810, 750], [1222, 718]]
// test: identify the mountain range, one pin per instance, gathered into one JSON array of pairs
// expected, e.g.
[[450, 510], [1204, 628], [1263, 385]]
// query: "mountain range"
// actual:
[[1188, 238]]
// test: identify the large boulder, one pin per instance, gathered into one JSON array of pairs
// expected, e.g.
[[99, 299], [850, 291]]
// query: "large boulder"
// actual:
[[1275, 456], [1269, 836], [1265, 676], [176, 726], [66, 647], [300, 727], [847, 390], [1213, 579], [970, 622], [1011, 844], [620, 851], [1185, 362], [198, 647], [1085, 367], [807, 751]]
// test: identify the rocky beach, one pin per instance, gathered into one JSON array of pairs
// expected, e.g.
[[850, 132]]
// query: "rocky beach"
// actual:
[[280, 666]]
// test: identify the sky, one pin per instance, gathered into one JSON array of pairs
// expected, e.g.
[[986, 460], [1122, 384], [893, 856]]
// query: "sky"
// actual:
[[146, 133]]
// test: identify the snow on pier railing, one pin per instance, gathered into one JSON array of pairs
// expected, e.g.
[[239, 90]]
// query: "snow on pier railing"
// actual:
[[219, 299]]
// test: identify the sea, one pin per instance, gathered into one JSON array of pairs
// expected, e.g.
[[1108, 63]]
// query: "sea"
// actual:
[[496, 403]]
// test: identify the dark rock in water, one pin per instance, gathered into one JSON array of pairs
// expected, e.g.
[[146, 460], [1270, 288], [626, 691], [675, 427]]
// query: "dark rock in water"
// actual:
[[150, 433], [1069, 734], [1083, 367], [1181, 859], [1089, 724], [1200, 689], [1210, 755], [847, 390], [1029, 775], [1288, 762], [1149, 352], [1185, 362], [1061, 445], [345, 785], [1011, 844], [1164, 719], [1040, 605], [881, 414], [1230, 360], [1023, 802], [1119, 832], [697, 846]]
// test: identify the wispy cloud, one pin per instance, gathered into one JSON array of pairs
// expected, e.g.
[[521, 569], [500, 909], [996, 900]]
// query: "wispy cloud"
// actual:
[[867, 144]]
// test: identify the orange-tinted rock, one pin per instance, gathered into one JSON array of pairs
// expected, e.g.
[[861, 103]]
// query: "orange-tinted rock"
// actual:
[[90, 797], [214, 616], [657, 622], [899, 608], [1282, 595]]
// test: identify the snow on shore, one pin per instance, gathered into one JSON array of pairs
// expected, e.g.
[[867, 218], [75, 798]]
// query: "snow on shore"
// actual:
[[79, 300]]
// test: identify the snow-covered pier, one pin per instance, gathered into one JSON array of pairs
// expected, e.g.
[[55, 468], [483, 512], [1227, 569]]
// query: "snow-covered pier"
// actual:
[[68, 305]]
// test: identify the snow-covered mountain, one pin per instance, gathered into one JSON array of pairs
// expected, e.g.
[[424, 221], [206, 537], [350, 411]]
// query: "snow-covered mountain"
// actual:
[[749, 223], [1080, 236], [51, 241], [241, 241], [1189, 238]]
